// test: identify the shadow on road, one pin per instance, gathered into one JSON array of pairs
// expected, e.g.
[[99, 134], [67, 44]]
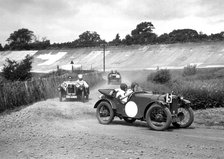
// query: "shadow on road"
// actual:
[[143, 124]]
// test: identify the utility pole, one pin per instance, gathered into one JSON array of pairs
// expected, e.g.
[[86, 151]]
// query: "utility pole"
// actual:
[[104, 57]]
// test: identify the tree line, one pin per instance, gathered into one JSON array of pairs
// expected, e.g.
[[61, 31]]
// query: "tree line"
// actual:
[[24, 39]]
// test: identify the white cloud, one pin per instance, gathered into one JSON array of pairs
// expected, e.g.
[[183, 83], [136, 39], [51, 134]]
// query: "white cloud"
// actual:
[[64, 20]]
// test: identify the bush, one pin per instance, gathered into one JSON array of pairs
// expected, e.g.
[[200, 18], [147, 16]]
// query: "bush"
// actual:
[[160, 76], [189, 70], [14, 71]]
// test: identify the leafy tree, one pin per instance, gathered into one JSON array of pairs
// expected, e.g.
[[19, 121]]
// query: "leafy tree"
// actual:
[[202, 36], [1, 48], [88, 39], [143, 33], [217, 37], [20, 39], [116, 41], [183, 35], [18, 71], [6, 47], [164, 38], [40, 45], [128, 40]]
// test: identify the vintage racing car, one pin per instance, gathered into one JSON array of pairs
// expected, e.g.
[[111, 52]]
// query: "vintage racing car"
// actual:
[[73, 89], [114, 78], [158, 110]]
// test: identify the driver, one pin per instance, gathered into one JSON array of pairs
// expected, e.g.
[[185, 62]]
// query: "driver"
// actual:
[[123, 93], [80, 81], [135, 87]]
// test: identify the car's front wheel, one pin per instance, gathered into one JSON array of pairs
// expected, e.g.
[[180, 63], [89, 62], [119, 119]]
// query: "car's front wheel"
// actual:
[[60, 96], [104, 113], [158, 117], [186, 116]]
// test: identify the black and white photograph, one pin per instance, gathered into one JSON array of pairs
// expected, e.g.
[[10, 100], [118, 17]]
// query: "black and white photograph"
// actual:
[[111, 79]]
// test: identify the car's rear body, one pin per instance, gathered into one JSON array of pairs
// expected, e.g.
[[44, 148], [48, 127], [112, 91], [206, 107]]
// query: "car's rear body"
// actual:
[[114, 78]]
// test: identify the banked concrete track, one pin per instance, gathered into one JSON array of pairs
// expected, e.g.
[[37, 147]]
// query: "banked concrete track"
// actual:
[[208, 54]]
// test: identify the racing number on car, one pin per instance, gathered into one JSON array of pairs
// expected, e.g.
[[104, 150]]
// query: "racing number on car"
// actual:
[[131, 109], [169, 98]]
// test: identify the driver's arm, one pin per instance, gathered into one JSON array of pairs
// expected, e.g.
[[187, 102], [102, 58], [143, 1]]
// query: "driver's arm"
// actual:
[[85, 84], [127, 93]]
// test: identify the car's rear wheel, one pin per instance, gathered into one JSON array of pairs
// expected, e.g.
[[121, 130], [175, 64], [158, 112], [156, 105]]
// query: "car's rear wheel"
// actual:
[[129, 120], [186, 116], [158, 117], [104, 113], [83, 97], [60, 96]]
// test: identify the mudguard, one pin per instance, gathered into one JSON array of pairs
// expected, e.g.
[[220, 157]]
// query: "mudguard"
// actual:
[[106, 100], [162, 103], [186, 103]]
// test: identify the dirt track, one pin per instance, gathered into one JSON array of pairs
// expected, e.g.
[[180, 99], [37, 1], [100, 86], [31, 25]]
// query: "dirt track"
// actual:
[[53, 129]]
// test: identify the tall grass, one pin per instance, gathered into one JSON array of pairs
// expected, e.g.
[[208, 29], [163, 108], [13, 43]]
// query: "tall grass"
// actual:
[[15, 94], [205, 89], [202, 93]]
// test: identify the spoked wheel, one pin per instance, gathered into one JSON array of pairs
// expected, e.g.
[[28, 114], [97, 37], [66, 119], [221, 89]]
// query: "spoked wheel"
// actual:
[[186, 117], [158, 117], [129, 120], [104, 113], [60, 96]]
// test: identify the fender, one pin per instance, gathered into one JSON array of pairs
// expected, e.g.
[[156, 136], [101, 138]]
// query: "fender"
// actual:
[[186, 103], [162, 103], [106, 100]]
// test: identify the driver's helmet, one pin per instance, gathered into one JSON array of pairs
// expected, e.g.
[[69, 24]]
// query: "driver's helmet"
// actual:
[[80, 77], [115, 71], [123, 86]]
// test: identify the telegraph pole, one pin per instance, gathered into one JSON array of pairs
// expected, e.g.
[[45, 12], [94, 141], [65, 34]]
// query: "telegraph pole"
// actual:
[[104, 57]]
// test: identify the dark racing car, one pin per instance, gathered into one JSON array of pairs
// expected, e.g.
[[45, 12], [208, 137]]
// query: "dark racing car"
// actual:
[[73, 90], [158, 110], [114, 77]]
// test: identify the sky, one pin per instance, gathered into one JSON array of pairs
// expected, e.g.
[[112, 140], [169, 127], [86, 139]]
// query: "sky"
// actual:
[[64, 20]]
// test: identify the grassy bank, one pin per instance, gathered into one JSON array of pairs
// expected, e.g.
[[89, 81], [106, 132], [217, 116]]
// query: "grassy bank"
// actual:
[[205, 89]]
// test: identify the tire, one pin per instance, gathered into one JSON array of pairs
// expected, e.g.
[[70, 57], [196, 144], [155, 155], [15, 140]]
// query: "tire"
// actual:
[[60, 96], [129, 120], [160, 115], [83, 97], [188, 121], [104, 110]]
